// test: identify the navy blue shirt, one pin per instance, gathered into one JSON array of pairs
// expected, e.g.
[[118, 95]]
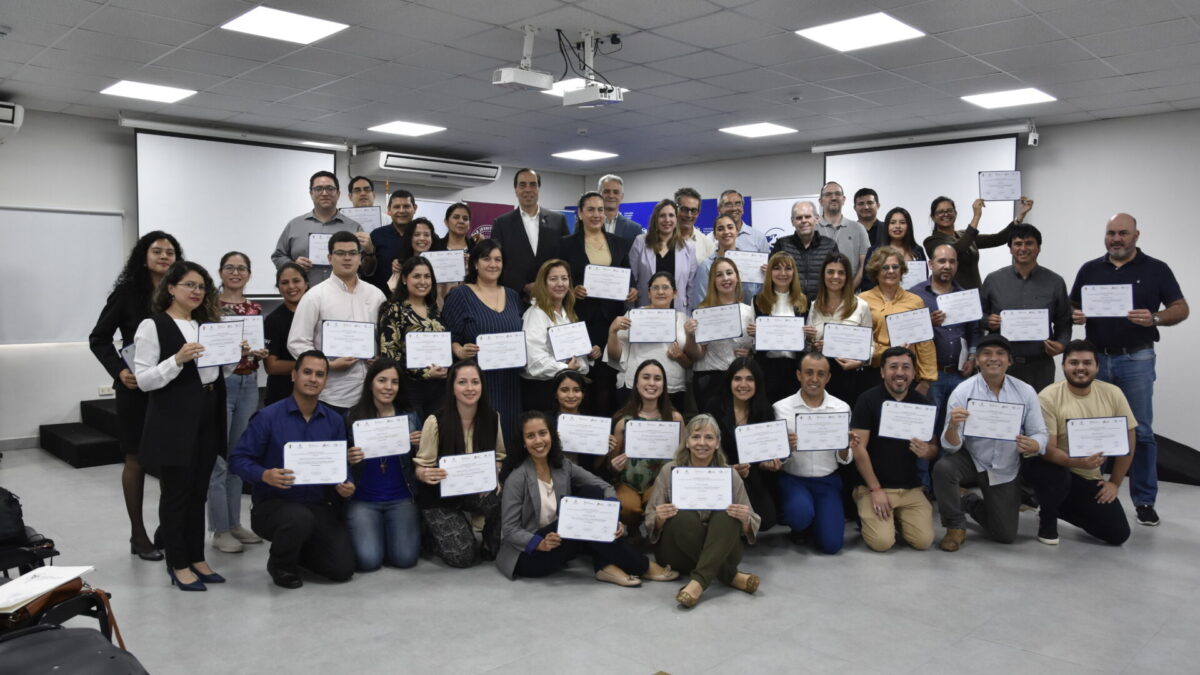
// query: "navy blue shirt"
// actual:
[[1154, 287], [389, 245], [947, 340], [384, 479], [261, 447]]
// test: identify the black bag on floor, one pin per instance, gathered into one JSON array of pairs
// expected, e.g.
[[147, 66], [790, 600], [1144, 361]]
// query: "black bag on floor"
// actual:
[[12, 523], [54, 649]]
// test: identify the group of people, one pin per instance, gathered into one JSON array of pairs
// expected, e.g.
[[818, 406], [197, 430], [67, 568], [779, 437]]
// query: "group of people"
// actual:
[[198, 426]]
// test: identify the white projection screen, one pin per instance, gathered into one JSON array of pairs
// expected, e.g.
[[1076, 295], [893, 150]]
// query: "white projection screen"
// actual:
[[913, 176], [218, 196]]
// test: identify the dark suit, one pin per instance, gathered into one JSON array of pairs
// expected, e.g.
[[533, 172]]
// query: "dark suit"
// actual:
[[521, 262], [627, 229]]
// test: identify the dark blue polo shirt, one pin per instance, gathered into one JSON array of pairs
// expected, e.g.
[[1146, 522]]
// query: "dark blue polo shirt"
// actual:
[[261, 447], [1154, 287], [389, 245]]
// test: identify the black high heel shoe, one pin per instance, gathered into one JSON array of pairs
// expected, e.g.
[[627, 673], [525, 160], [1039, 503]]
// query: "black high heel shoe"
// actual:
[[213, 578], [152, 554], [196, 585]]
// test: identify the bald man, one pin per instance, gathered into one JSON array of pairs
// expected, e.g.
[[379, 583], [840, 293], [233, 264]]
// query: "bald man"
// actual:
[[1126, 343]]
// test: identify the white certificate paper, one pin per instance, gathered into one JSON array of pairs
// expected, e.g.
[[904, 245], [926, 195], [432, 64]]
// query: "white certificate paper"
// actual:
[[843, 341], [318, 248], [652, 325], [762, 442], [999, 186], [1087, 436], [907, 421], [960, 307], [909, 328], [749, 265], [569, 340], [584, 434], [1100, 300], [498, 351], [448, 266], [779, 333], [588, 519], [1025, 325], [316, 462], [918, 273], [423, 349], [609, 283], [252, 329], [993, 419], [722, 322], [370, 217], [822, 431], [348, 338], [650, 439], [222, 344], [382, 436], [468, 474], [20, 591], [701, 488]]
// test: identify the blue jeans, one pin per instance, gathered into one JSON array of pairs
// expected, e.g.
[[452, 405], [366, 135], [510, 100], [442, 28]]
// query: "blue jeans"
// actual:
[[1134, 374], [378, 527], [815, 502], [224, 487], [939, 394]]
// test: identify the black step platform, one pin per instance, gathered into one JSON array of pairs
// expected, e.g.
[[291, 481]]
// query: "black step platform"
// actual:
[[101, 415], [79, 445]]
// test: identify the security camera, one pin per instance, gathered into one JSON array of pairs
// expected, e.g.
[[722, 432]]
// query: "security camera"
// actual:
[[1033, 139]]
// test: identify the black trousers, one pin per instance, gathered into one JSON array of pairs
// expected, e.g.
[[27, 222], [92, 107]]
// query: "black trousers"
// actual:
[[781, 376], [538, 395], [424, 396], [1036, 371], [1064, 494], [305, 534], [545, 563], [184, 490], [600, 398]]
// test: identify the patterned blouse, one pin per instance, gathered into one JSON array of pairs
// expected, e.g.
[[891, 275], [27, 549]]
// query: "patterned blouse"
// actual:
[[396, 321], [639, 474], [248, 364]]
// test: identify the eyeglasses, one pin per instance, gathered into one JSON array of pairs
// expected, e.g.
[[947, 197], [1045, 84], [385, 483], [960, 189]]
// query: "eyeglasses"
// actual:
[[323, 188], [687, 209], [193, 286], [240, 269], [341, 253], [889, 268]]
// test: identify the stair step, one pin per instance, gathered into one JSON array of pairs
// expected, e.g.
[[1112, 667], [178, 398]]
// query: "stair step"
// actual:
[[80, 445], [101, 414]]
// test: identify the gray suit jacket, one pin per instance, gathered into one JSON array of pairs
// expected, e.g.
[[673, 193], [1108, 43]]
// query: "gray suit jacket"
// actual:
[[627, 229], [521, 504]]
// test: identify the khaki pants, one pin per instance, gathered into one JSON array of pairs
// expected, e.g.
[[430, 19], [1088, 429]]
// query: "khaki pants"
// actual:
[[911, 512], [633, 505]]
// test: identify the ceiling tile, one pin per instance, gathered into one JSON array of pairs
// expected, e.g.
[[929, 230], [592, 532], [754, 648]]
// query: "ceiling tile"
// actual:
[[572, 20], [798, 93], [229, 43], [178, 78], [1109, 15], [939, 16], [90, 42], [776, 49], [1158, 35], [1132, 111], [1123, 99], [1067, 118], [644, 48], [992, 37], [1178, 92], [88, 64], [329, 62], [1062, 51], [465, 88], [862, 84], [373, 44], [641, 78], [37, 33], [718, 30], [758, 79], [404, 76], [1102, 85], [140, 25], [1166, 77], [791, 15], [1063, 72], [1157, 59], [835, 106], [646, 14], [449, 60], [979, 85], [288, 77], [501, 13], [209, 12], [945, 71], [506, 44], [689, 90], [908, 53], [325, 102], [93, 111], [197, 113], [701, 64], [205, 62], [66, 79], [207, 99], [908, 94], [61, 12], [257, 90]]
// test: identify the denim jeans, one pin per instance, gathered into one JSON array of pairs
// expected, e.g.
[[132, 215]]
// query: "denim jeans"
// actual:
[[1134, 374], [939, 394], [224, 487], [816, 503], [378, 528]]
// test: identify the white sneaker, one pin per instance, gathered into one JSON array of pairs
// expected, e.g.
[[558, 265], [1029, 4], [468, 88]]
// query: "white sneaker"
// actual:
[[245, 536], [225, 542]]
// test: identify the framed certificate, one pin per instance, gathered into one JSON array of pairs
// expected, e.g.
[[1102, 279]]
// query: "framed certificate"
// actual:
[[960, 307], [468, 474], [316, 462], [448, 266], [652, 325], [498, 351], [993, 419], [569, 340], [252, 329], [1106, 300], [382, 436], [348, 338], [1025, 325], [909, 328], [749, 265], [608, 283], [588, 519], [907, 421], [999, 186], [1108, 435], [222, 343], [649, 439], [423, 349], [695, 488], [584, 434], [370, 217], [779, 333], [762, 442], [822, 431], [723, 322], [843, 341]]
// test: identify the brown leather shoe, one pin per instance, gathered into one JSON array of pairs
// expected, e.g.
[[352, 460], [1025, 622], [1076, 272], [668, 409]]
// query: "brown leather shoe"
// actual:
[[955, 536], [686, 599]]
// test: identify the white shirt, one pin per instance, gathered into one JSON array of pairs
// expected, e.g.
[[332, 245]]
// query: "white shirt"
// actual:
[[332, 300], [817, 463], [151, 373], [532, 223], [610, 226], [632, 356], [549, 510], [540, 363], [861, 316], [703, 243], [718, 354], [783, 307]]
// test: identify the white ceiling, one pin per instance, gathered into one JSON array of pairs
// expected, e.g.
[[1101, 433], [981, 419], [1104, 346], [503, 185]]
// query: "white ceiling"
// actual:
[[693, 66]]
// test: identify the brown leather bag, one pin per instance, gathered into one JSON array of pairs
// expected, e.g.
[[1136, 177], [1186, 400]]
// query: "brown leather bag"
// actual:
[[26, 614]]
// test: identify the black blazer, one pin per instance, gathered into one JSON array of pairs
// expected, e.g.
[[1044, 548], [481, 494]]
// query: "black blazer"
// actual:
[[521, 262], [124, 310], [597, 314]]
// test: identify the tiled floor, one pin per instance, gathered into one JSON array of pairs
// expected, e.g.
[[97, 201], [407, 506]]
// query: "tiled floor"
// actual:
[[1026, 608]]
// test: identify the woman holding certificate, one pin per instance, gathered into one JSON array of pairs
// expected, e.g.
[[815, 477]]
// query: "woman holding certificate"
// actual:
[[553, 305], [742, 400], [900, 237], [634, 477], [725, 232], [713, 356], [241, 400], [538, 484], [381, 516], [458, 227], [467, 424], [591, 245], [887, 267], [624, 352], [703, 543], [413, 309], [837, 303], [481, 305], [185, 415], [126, 307], [782, 296], [422, 238], [662, 248], [967, 242], [292, 283]]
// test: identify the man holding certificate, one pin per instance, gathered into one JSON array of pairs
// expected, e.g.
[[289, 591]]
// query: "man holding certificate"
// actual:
[[302, 523], [324, 219], [997, 418], [891, 492], [1126, 343], [1067, 479], [343, 298]]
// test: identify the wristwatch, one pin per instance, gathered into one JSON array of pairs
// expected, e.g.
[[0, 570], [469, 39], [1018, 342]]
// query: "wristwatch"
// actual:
[[1154, 319]]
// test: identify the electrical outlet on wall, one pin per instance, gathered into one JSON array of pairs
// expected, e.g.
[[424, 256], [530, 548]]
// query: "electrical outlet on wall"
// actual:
[[105, 391]]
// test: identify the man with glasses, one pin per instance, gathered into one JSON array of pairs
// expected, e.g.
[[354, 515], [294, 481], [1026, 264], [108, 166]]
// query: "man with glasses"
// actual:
[[687, 209], [362, 191], [612, 191], [324, 218], [851, 237], [342, 297], [732, 204]]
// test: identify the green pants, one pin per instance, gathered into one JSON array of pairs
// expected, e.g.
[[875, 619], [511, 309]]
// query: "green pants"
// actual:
[[706, 551]]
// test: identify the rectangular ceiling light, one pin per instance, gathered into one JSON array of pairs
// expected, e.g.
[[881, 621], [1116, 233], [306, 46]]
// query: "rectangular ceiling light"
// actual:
[[280, 25], [1006, 99], [865, 31], [563, 86], [406, 128], [148, 92], [758, 130], [584, 155]]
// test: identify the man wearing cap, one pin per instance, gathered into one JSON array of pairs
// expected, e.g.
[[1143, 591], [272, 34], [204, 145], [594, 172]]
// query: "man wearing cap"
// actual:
[[993, 463]]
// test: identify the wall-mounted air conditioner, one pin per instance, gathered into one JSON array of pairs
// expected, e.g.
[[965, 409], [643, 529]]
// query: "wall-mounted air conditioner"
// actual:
[[404, 168], [11, 117]]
